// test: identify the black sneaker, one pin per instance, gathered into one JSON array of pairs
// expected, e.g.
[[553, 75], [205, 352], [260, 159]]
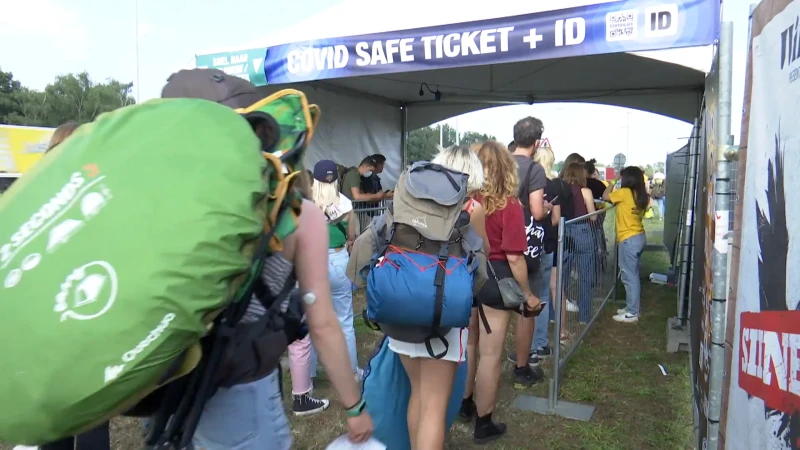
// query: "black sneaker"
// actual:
[[545, 352], [487, 433], [468, 409], [525, 377], [305, 404], [533, 359]]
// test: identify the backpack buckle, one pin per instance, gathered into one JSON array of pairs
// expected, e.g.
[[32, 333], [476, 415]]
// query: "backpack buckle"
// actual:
[[444, 251]]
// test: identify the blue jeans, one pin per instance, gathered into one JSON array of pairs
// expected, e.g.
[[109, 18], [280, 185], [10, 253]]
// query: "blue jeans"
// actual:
[[543, 319], [342, 297], [630, 256], [245, 417], [661, 207], [581, 257]]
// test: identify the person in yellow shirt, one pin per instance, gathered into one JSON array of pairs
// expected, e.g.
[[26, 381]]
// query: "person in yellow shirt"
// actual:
[[631, 200]]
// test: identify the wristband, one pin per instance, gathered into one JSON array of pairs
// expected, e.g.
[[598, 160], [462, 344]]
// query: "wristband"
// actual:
[[356, 410]]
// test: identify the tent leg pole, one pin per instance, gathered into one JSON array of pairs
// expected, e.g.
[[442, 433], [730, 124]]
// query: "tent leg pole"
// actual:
[[404, 135]]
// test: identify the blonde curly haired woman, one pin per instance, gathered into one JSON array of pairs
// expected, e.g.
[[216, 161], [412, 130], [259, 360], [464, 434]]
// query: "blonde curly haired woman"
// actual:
[[505, 231]]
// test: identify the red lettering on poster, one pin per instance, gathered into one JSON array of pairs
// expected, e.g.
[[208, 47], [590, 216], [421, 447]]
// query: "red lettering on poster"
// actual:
[[769, 358]]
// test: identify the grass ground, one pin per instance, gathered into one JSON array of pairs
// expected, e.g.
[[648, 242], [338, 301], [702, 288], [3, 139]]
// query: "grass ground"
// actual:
[[615, 369]]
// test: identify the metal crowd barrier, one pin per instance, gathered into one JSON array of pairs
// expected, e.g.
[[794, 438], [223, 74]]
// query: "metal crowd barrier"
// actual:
[[366, 210], [586, 279]]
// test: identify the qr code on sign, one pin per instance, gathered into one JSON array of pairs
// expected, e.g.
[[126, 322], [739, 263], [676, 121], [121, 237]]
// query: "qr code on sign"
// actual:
[[621, 26]]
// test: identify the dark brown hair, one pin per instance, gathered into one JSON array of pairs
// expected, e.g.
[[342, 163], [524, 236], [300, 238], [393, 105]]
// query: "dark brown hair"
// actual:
[[62, 133], [575, 174]]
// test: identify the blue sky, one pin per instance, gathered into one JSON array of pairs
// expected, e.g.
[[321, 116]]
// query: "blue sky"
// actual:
[[52, 37]]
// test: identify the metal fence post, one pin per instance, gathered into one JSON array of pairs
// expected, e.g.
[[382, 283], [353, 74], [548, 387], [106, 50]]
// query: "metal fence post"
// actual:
[[719, 259], [556, 380]]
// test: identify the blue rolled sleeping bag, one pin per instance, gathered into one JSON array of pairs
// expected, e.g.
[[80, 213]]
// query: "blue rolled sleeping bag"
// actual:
[[387, 390]]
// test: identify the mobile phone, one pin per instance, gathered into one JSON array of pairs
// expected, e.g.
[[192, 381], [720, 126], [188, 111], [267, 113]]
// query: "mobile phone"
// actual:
[[553, 199]]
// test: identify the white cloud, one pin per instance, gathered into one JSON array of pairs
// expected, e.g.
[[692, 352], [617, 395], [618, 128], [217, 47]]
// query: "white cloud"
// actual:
[[61, 27]]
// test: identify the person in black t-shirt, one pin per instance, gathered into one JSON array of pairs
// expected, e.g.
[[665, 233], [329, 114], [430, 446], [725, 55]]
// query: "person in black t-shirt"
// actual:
[[592, 181], [532, 180], [372, 184]]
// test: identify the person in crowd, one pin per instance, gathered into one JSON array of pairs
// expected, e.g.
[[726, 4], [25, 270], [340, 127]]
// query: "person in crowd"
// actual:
[[432, 379], [659, 193], [338, 211], [593, 181], [581, 254], [631, 200], [351, 181], [554, 196], [303, 401], [250, 416], [533, 179], [372, 184], [505, 230], [559, 190], [63, 131], [512, 146], [571, 159]]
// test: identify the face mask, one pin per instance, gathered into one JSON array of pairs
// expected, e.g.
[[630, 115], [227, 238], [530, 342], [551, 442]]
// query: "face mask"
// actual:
[[368, 174]]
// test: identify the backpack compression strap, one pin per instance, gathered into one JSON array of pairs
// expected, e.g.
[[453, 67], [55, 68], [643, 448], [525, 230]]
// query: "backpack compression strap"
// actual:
[[438, 302]]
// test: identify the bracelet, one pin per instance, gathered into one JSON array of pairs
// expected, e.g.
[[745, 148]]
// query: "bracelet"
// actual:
[[357, 409]]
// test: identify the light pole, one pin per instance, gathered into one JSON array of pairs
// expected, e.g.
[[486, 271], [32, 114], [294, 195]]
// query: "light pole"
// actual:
[[136, 15]]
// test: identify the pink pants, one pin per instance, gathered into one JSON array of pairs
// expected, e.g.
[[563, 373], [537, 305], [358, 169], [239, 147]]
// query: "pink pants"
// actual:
[[300, 366]]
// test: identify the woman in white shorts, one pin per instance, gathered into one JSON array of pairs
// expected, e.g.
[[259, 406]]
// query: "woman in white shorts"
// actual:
[[432, 379]]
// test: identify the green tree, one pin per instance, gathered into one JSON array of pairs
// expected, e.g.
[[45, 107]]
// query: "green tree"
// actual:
[[660, 167], [648, 170], [558, 166], [423, 142], [9, 89], [472, 137], [70, 97]]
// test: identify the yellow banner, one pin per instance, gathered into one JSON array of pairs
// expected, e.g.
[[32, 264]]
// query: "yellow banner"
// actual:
[[21, 147]]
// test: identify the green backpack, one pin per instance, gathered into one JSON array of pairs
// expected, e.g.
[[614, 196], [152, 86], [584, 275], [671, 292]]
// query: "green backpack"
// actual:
[[127, 250]]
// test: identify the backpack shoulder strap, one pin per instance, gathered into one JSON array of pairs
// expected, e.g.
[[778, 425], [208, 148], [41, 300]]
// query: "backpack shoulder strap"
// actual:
[[523, 188]]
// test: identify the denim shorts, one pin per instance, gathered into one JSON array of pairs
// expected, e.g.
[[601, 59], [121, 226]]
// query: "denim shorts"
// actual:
[[245, 417]]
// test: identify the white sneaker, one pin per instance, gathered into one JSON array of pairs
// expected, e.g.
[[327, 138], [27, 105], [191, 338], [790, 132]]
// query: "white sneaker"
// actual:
[[572, 306], [622, 311], [626, 318], [25, 447]]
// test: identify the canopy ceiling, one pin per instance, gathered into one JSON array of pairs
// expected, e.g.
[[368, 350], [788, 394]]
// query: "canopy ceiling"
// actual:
[[655, 62]]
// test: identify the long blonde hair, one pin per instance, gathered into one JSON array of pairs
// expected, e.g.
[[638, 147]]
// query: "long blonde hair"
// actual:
[[325, 194], [547, 159], [462, 159], [62, 133], [500, 179]]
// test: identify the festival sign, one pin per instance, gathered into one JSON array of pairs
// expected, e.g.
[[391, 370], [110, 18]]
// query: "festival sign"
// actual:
[[247, 64], [763, 398], [611, 27], [21, 147]]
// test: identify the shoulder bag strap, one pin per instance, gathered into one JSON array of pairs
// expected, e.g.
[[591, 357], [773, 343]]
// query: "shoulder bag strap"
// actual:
[[523, 189]]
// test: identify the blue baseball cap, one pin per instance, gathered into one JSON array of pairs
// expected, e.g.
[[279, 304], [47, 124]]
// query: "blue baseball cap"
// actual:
[[326, 171]]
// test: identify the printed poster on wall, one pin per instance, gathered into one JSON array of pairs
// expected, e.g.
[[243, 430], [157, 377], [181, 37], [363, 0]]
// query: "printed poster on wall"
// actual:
[[763, 408]]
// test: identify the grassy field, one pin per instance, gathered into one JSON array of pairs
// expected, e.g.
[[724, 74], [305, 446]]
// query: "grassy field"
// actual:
[[615, 369]]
